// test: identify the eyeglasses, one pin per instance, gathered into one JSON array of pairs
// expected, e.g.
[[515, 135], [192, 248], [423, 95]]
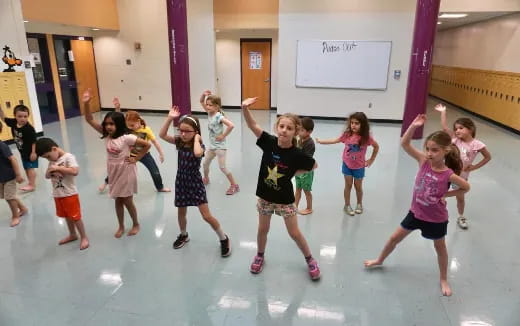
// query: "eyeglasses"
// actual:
[[184, 131]]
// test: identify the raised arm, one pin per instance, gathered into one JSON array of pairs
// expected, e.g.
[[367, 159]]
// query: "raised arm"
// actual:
[[203, 98], [251, 123], [117, 105], [407, 138], [329, 141], [444, 121], [163, 133], [87, 96]]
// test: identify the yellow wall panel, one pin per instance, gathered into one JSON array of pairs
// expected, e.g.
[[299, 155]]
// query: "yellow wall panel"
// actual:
[[13, 91]]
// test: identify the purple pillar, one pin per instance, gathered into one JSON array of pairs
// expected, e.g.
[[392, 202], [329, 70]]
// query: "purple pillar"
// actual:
[[179, 65], [421, 61]]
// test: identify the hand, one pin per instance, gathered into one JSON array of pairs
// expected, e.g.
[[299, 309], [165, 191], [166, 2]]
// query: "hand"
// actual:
[[368, 163], [440, 107], [206, 93], [19, 179], [174, 112], [33, 157], [56, 174], [53, 169], [318, 140], [419, 120], [198, 138], [131, 160], [116, 103], [220, 137], [161, 158], [87, 96], [443, 201], [469, 168], [249, 101]]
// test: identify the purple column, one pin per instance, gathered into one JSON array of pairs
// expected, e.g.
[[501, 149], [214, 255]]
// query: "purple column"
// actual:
[[179, 65], [420, 63]]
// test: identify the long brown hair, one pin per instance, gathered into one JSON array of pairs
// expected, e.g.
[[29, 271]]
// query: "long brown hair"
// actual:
[[364, 127], [452, 158], [192, 121], [467, 123], [297, 124]]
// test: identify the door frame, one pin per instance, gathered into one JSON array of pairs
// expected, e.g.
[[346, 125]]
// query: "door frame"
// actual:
[[262, 39]]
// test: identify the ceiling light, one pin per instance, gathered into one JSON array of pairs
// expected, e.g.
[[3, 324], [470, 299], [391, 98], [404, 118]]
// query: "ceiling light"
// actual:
[[438, 23], [452, 15], [25, 21], [95, 29]]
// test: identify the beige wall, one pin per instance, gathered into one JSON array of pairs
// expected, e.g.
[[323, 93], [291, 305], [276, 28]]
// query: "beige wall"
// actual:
[[240, 14], [489, 45], [87, 13], [13, 35], [228, 64], [58, 29], [479, 5], [344, 20]]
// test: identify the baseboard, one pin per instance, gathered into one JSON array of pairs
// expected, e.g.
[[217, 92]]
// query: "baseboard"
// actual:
[[496, 123]]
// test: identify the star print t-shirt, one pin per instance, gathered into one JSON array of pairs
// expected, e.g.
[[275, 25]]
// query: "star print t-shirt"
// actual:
[[64, 185], [277, 169]]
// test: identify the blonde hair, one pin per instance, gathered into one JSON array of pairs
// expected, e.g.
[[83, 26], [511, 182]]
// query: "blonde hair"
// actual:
[[215, 100], [295, 119]]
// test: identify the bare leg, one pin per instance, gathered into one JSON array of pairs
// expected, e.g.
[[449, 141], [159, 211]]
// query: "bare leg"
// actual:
[[358, 185], [210, 155], [291, 223], [21, 207], [72, 233], [15, 211], [308, 198], [264, 222], [130, 207], [120, 211], [297, 197], [181, 218], [461, 203], [221, 157], [442, 258], [31, 178], [348, 188], [206, 215], [84, 244], [390, 245]]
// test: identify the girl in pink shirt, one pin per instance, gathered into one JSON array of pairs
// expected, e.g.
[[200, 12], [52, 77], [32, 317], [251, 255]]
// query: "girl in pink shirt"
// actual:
[[356, 138], [463, 136], [439, 165]]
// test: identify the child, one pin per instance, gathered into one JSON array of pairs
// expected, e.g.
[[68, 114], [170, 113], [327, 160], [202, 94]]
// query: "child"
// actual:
[[62, 171], [304, 181], [463, 136], [439, 165], [122, 171], [356, 138], [281, 160], [217, 138], [138, 126], [25, 137], [10, 175], [189, 188]]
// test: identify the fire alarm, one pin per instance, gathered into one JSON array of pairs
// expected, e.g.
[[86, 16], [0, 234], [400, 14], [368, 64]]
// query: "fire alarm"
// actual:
[[137, 45]]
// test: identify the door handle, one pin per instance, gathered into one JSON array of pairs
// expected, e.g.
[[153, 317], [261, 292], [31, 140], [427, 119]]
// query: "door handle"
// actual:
[[267, 80]]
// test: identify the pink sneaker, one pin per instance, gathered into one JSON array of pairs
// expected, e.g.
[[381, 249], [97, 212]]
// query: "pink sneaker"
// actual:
[[257, 265], [233, 189], [314, 270]]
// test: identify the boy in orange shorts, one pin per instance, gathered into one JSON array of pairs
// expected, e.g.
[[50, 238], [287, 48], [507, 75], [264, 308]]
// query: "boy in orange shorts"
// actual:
[[62, 171]]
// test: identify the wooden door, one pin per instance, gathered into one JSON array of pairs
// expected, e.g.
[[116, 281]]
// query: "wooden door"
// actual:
[[85, 69], [256, 71]]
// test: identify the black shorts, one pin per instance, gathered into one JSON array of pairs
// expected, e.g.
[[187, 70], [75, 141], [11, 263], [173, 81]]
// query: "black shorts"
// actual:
[[429, 230]]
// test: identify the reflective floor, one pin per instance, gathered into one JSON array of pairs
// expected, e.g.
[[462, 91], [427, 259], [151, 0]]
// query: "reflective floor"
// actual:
[[141, 280]]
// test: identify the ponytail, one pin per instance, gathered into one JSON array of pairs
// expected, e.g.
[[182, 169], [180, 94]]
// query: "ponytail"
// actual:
[[452, 159]]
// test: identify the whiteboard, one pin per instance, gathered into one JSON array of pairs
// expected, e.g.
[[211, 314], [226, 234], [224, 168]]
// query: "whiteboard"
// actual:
[[343, 64]]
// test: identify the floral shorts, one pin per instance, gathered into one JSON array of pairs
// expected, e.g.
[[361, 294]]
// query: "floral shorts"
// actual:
[[267, 208]]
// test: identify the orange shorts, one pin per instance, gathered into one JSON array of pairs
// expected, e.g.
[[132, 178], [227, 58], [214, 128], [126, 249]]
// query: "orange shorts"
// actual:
[[68, 207]]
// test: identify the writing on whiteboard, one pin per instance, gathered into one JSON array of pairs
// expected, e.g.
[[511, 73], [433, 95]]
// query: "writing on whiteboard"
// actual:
[[333, 47]]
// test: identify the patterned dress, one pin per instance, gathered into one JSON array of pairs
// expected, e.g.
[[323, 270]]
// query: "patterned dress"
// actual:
[[189, 188]]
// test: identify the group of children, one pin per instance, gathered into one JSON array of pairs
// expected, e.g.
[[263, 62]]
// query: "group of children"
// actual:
[[446, 160]]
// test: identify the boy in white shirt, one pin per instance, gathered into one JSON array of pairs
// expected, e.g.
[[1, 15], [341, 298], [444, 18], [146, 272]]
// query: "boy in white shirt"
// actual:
[[62, 171]]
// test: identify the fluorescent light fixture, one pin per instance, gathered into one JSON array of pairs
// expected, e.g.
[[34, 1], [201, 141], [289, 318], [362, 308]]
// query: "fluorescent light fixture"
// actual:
[[452, 15], [438, 23], [25, 21], [95, 29]]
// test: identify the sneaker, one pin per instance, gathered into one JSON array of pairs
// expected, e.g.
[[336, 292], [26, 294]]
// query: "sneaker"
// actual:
[[257, 265], [181, 241], [359, 209], [225, 249], [314, 270], [462, 222], [233, 189], [348, 209]]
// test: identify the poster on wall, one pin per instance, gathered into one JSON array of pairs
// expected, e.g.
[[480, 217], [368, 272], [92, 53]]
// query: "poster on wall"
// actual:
[[255, 60]]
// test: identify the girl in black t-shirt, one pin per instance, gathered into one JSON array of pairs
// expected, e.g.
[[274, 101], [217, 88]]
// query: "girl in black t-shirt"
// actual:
[[281, 160]]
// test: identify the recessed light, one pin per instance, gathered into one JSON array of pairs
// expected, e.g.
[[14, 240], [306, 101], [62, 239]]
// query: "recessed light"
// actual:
[[452, 15]]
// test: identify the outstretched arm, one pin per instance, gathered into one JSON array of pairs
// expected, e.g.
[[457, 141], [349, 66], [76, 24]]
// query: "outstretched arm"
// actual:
[[163, 133], [444, 121], [328, 141], [251, 123], [407, 138], [87, 96]]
